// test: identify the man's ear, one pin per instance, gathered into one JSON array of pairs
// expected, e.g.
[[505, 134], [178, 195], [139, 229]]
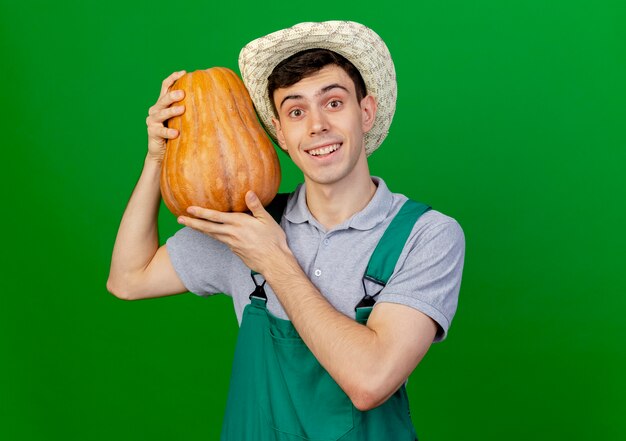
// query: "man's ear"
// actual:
[[368, 112], [279, 134]]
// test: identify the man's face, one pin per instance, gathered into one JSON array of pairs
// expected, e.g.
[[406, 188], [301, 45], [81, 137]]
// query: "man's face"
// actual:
[[321, 125]]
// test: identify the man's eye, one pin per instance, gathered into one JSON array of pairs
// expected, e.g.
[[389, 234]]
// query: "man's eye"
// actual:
[[295, 113], [334, 104]]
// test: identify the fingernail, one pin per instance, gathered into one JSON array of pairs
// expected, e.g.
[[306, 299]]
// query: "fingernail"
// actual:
[[181, 220]]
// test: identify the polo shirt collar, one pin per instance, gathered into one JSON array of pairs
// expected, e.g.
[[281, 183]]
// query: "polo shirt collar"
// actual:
[[375, 211]]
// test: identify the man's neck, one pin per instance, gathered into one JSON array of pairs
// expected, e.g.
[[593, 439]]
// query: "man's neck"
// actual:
[[331, 205]]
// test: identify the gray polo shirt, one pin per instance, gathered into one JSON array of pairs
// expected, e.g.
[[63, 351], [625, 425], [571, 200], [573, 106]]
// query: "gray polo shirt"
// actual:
[[427, 276]]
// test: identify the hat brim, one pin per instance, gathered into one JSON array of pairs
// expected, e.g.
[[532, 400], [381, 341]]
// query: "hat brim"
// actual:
[[356, 42]]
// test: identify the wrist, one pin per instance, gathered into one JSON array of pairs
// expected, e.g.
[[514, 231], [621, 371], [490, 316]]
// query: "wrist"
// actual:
[[152, 160], [285, 268], [151, 174]]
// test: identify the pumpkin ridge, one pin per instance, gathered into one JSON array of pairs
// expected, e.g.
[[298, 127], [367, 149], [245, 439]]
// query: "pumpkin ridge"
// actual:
[[169, 162], [225, 160], [269, 172], [177, 177], [179, 180], [202, 153], [243, 136], [166, 193], [207, 155]]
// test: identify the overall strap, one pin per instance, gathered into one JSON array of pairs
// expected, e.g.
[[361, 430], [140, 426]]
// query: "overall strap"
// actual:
[[385, 256], [276, 208]]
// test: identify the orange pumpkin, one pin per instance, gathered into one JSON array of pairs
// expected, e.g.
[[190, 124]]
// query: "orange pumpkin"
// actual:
[[222, 150]]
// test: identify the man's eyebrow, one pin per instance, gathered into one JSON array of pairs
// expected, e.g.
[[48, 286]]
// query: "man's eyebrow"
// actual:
[[322, 91], [289, 97], [331, 87]]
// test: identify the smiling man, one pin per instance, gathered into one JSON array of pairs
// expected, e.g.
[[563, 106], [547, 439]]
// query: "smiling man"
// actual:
[[341, 300]]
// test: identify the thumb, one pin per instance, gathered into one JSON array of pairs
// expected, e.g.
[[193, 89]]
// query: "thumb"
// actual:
[[254, 204]]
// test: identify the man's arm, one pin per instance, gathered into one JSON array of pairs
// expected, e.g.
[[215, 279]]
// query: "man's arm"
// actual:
[[139, 267], [369, 362]]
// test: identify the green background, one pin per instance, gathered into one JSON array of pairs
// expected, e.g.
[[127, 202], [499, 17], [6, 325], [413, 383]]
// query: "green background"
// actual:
[[510, 118]]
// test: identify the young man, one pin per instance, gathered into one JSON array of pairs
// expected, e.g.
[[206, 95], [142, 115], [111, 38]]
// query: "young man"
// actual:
[[314, 360]]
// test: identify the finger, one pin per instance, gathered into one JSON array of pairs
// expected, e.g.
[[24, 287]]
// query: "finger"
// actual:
[[165, 114], [214, 229], [254, 205], [207, 214], [166, 101], [159, 131], [167, 83]]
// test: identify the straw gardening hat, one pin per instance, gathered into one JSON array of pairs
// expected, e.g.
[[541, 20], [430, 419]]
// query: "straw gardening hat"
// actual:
[[359, 44]]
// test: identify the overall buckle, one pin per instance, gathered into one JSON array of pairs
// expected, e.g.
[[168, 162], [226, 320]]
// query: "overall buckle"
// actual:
[[259, 291]]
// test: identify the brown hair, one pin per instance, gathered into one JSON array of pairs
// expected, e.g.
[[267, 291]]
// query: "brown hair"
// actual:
[[302, 64]]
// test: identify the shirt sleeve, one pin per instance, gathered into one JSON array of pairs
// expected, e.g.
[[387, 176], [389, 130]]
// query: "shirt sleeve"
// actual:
[[427, 276], [201, 262]]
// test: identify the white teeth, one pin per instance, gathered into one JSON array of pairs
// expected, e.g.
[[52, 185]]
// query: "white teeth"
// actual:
[[324, 150]]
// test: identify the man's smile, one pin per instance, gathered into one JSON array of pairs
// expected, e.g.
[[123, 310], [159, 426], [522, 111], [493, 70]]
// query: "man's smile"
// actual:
[[324, 150]]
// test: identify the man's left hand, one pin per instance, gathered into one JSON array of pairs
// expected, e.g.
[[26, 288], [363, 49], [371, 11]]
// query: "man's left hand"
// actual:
[[256, 237]]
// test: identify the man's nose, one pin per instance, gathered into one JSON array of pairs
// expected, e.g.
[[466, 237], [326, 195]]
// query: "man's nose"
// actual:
[[317, 122]]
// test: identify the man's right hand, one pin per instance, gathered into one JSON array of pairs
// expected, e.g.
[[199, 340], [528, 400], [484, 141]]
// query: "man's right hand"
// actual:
[[158, 133], [140, 268]]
